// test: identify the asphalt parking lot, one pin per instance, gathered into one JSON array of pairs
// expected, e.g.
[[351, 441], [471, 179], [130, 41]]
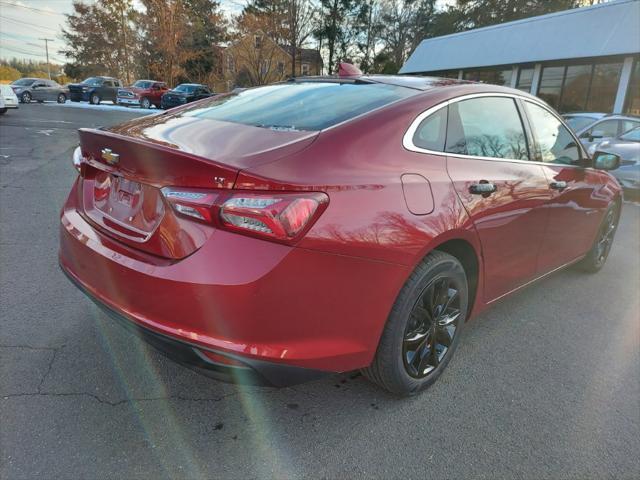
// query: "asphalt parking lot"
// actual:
[[544, 385]]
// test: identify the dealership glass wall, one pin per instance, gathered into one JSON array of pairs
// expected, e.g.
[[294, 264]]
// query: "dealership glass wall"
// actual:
[[580, 87], [632, 102]]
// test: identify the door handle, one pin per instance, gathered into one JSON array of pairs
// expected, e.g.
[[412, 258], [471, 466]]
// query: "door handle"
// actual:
[[483, 188], [558, 185]]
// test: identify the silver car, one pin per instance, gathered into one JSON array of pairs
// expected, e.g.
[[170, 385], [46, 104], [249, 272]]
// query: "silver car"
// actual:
[[627, 147], [39, 90], [606, 128]]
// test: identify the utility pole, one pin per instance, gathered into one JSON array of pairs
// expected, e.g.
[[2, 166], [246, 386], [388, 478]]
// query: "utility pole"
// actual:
[[46, 49]]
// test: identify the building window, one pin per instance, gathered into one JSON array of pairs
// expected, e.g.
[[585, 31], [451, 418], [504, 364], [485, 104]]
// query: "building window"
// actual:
[[604, 87], [575, 89], [281, 68], [305, 69], [632, 102], [525, 79], [551, 85], [495, 76], [257, 41]]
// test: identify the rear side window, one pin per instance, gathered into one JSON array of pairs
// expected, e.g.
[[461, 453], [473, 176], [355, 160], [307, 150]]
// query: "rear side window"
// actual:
[[554, 143], [301, 106], [486, 127], [432, 131]]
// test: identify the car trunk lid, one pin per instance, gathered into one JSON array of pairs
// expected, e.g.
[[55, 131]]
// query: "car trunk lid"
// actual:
[[122, 176]]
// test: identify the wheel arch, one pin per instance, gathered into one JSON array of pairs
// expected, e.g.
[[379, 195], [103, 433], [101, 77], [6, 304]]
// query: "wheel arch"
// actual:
[[467, 255]]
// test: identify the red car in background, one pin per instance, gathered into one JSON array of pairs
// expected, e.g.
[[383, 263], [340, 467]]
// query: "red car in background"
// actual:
[[331, 224], [143, 93]]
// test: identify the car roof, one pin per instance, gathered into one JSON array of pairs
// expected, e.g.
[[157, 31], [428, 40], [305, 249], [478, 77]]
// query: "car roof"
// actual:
[[585, 114], [409, 81], [193, 84]]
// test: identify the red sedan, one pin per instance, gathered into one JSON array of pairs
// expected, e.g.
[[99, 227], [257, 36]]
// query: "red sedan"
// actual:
[[331, 224]]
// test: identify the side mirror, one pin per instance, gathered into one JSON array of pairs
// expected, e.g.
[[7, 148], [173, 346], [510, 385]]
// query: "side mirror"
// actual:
[[605, 161]]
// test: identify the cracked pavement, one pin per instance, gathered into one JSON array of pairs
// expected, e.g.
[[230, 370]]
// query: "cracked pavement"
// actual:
[[546, 384]]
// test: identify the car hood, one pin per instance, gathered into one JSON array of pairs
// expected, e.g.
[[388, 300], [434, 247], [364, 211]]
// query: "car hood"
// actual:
[[180, 94], [233, 144]]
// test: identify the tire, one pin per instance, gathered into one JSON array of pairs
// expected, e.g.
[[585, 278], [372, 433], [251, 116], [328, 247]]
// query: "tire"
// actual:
[[94, 99], [62, 98], [597, 256], [3, 111], [114, 101], [25, 97], [428, 293], [145, 103]]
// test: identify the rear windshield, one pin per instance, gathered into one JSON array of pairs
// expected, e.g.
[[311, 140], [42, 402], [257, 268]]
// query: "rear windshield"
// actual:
[[301, 106]]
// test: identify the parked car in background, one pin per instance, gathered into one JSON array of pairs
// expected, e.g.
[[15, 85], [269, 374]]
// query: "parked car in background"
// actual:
[[185, 93], [143, 93], [331, 224], [606, 127], [95, 89], [627, 147], [579, 120], [40, 90], [8, 99]]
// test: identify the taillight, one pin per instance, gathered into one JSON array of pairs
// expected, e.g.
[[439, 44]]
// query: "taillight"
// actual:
[[191, 202], [280, 216]]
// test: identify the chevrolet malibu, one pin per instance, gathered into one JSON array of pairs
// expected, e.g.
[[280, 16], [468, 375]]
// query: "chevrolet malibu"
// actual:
[[330, 224]]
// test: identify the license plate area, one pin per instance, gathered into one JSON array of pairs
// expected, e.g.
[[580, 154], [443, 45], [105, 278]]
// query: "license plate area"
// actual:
[[124, 207]]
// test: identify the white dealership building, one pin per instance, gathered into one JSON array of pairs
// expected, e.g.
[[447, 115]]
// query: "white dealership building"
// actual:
[[585, 59]]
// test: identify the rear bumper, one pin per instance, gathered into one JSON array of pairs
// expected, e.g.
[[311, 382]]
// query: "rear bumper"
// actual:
[[254, 372], [254, 300], [128, 101]]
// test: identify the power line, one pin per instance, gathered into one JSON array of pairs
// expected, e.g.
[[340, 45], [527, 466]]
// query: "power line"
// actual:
[[47, 12], [33, 25]]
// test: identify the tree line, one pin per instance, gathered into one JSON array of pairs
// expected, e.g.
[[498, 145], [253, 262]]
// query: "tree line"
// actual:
[[184, 40]]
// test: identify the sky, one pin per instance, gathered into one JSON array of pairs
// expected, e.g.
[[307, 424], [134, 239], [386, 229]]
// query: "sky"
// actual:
[[24, 23]]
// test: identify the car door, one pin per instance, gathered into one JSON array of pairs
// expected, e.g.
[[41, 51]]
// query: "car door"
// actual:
[[575, 206], [107, 89], [503, 192], [39, 90]]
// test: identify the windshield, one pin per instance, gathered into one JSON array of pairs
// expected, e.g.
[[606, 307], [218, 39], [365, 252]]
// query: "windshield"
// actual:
[[23, 82], [632, 135], [143, 84], [93, 81], [185, 88], [578, 123], [301, 106]]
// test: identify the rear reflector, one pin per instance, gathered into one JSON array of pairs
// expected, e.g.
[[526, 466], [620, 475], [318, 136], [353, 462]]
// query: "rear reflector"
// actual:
[[280, 216]]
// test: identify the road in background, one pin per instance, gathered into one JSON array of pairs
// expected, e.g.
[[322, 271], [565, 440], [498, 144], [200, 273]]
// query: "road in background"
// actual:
[[544, 385]]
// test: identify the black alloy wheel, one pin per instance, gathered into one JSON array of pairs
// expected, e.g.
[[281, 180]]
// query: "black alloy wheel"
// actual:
[[597, 256], [423, 329], [432, 327], [26, 97]]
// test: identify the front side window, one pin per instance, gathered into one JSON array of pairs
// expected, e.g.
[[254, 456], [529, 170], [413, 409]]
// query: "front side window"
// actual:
[[486, 127], [605, 129], [142, 84], [432, 131], [554, 142]]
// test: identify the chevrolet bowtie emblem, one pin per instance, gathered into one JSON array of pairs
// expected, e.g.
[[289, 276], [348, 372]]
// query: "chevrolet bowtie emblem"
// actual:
[[109, 156]]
